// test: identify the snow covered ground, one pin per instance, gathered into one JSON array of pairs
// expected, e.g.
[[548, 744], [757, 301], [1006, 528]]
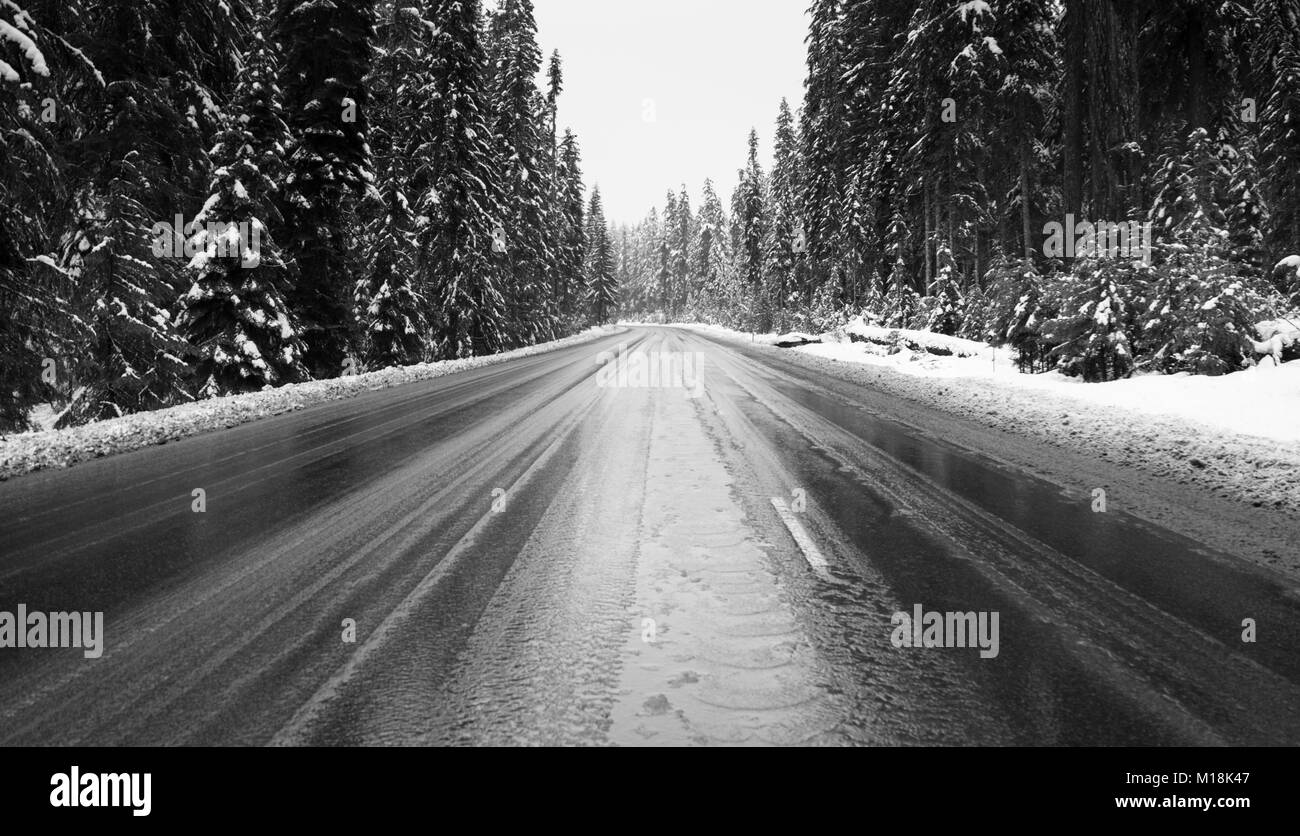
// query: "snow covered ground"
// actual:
[[1237, 435], [1262, 401], [26, 452]]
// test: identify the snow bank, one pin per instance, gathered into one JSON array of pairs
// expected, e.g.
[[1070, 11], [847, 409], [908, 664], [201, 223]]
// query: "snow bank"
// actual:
[[1263, 401], [765, 339], [27, 452], [859, 331], [795, 338]]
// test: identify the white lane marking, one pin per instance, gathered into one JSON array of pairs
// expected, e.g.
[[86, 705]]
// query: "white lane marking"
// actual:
[[802, 538]]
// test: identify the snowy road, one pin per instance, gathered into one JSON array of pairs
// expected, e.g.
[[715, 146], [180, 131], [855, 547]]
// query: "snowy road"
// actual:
[[532, 557]]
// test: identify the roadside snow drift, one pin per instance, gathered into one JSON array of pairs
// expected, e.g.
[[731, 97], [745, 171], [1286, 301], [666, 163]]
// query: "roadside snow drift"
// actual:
[[27, 452]]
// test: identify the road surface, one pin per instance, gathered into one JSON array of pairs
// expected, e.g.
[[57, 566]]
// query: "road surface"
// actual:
[[534, 553]]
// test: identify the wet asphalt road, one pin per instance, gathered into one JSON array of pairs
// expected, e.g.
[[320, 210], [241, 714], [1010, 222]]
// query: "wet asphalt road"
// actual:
[[530, 557]]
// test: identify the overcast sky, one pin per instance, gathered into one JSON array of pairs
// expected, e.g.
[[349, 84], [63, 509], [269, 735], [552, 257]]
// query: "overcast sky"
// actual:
[[664, 92]]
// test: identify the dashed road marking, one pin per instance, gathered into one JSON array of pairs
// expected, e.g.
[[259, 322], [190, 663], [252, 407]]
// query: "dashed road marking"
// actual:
[[801, 537]]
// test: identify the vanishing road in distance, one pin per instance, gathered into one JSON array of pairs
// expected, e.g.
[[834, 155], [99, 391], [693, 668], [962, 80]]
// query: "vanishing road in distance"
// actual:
[[535, 553]]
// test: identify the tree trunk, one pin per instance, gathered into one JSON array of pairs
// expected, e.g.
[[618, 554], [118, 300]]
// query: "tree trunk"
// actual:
[[1196, 68], [1074, 36], [925, 242], [1025, 199]]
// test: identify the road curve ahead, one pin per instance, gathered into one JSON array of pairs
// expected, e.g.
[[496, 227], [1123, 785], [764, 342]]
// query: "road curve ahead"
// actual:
[[571, 549]]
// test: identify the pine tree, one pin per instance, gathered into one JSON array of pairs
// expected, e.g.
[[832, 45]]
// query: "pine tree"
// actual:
[[683, 234], [1189, 65], [1012, 298], [602, 290], [392, 312], [572, 243], [327, 51], [1199, 315], [825, 146], [710, 257], [946, 311], [664, 276], [941, 83], [873, 300], [234, 312], [641, 297], [1278, 61], [137, 111], [148, 84], [750, 225], [623, 255], [137, 358], [390, 309], [557, 218], [1193, 183], [1090, 337], [1244, 216], [901, 300], [1198, 302], [1100, 110], [30, 183], [1025, 67], [874, 130], [460, 259], [787, 238], [519, 123], [554, 87]]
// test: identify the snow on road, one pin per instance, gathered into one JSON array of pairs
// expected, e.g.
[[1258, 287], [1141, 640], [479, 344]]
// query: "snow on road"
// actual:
[[729, 662], [643, 608], [636, 585]]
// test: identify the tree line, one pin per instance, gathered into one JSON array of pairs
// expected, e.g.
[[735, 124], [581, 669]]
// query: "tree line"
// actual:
[[939, 140], [365, 183]]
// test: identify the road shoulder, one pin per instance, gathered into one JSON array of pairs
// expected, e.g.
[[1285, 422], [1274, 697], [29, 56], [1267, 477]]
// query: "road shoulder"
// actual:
[[1172, 474]]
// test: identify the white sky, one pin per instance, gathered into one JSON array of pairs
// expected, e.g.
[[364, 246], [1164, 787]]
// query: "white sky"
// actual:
[[713, 68]]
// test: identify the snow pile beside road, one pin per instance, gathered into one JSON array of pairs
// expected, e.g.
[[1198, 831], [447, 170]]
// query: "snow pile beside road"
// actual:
[[859, 331], [1262, 401], [795, 338], [915, 362], [41, 450], [749, 337]]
